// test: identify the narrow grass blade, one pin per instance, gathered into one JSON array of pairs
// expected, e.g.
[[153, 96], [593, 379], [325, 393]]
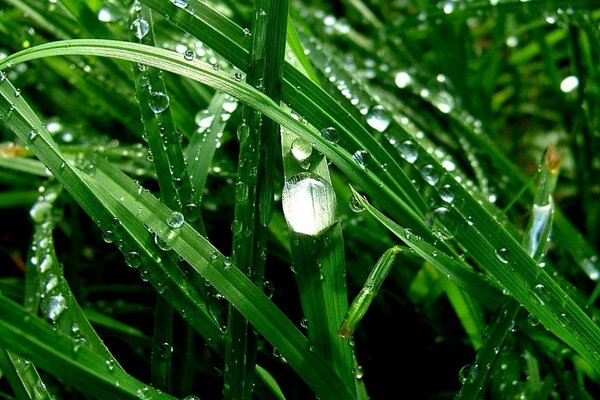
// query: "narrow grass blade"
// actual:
[[53, 352], [363, 300], [254, 186]]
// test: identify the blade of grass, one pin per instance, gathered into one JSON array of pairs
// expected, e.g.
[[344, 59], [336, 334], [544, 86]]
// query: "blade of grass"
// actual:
[[52, 351]]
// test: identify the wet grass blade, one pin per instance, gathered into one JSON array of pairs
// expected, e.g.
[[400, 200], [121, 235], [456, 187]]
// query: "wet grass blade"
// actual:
[[52, 351], [258, 138]]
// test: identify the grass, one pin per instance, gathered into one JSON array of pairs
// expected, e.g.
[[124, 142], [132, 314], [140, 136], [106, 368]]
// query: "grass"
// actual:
[[296, 199]]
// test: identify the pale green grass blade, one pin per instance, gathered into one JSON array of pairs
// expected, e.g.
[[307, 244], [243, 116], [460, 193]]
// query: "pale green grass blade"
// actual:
[[25, 165], [363, 300], [53, 352]]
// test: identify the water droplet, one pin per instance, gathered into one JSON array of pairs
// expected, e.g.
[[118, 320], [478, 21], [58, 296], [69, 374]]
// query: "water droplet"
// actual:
[[304, 323], [159, 102], [502, 255], [241, 190], [361, 157], [403, 79], [133, 259], [359, 373], [430, 174], [110, 365], [204, 119], [180, 3], [140, 28], [105, 15], [378, 118], [532, 320], [301, 149], [590, 267], [442, 222], [539, 291], [53, 306], [443, 101], [189, 55], [408, 151], [569, 84], [40, 211], [309, 204], [164, 350], [230, 104], [446, 194], [355, 205], [175, 220], [330, 134], [45, 264], [143, 393]]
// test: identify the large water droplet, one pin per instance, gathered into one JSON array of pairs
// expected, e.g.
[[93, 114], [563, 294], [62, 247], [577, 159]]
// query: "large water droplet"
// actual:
[[443, 101], [159, 102], [408, 151], [442, 222], [378, 118], [569, 84], [140, 28], [447, 193], [40, 211], [133, 259], [590, 267], [175, 219], [53, 306], [309, 204]]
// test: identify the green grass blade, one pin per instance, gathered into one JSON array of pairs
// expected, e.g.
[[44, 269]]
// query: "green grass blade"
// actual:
[[53, 352], [23, 377], [254, 186], [363, 300]]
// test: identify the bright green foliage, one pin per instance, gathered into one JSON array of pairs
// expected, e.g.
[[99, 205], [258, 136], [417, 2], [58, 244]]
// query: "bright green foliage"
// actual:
[[379, 194]]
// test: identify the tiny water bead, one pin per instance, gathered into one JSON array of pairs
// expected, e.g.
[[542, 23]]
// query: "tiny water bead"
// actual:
[[330, 134], [361, 157], [408, 150], [378, 118], [140, 28], [301, 149], [181, 3], [309, 204], [159, 102], [189, 55], [175, 219]]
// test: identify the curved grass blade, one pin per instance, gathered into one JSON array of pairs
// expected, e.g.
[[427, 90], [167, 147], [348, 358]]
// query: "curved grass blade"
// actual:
[[23, 377], [53, 352]]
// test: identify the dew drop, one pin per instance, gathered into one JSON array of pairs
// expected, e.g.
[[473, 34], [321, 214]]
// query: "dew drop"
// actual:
[[590, 267], [45, 263], [189, 55], [301, 149], [133, 259], [378, 118], [330, 134], [230, 104], [175, 220], [180, 3], [110, 365], [408, 151], [355, 205], [40, 211], [502, 255], [204, 119], [430, 174], [53, 306], [159, 102], [403, 79], [443, 101], [569, 84], [539, 291], [361, 157], [446, 194], [140, 28], [442, 223], [309, 204], [359, 373]]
